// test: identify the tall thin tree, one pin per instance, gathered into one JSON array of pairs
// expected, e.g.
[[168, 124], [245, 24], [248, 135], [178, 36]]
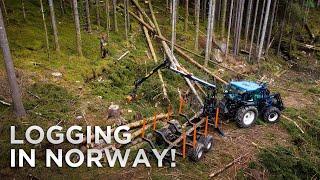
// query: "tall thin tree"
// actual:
[[62, 7], [12, 79], [260, 24], [23, 10], [186, 17], [77, 26], [197, 16], [253, 29], [223, 17], [229, 25], [209, 31], [126, 18], [45, 28], [248, 20], [271, 25], [115, 23], [173, 24], [283, 22], [88, 21], [263, 33], [98, 12], [54, 26], [107, 9]]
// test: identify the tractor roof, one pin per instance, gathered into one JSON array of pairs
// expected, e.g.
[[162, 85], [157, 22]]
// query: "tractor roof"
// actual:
[[245, 85]]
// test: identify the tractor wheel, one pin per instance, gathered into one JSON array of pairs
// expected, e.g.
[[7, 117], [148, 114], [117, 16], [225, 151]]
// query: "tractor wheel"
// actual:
[[246, 116], [272, 115], [195, 154], [207, 142]]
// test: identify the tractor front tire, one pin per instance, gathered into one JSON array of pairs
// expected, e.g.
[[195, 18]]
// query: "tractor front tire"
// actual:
[[246, 116], [207, 142], [195, 154], [272, 115]]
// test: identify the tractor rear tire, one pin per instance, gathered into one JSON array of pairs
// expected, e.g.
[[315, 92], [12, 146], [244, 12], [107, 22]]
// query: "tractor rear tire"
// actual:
[[207, 142], [246, 116], [195, 154], [272, 115]]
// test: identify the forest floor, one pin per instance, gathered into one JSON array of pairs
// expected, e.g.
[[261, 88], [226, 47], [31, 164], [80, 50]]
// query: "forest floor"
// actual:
[[273, 150]]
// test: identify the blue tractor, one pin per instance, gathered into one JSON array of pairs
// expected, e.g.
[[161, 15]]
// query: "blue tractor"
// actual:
[[244, 101]]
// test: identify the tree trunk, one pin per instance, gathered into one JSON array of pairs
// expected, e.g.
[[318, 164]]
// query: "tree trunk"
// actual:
[[77, 25], [173, 24], [23, 10], [247, 23], [54, 26], [204, 10], [126, 18], [229, 25], [271, 24], [186, 17], [223, 17], [14, 87], [88, 21], [282, 27], [197, 15], [45, 28], [209, 32], [260, 24], [253, 28], [115, 24], [98, 12], [62, 7], [5, 10], [107, 9], [264, 30]]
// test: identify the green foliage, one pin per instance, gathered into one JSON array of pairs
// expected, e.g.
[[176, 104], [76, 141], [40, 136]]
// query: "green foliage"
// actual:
[[283, 164]]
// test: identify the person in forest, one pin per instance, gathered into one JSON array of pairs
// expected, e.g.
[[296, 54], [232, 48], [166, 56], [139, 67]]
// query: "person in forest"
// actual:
[[103, 45]]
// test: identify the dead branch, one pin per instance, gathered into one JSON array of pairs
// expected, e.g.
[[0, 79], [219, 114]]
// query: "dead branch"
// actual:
[[123, 55], [294, 122], [5, 103], [227, 166]]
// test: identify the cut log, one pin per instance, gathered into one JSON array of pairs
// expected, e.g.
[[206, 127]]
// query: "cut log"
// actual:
[[142, 12], [123, 55]]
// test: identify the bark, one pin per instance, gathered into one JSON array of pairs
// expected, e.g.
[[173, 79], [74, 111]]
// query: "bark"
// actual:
[[270, 26], [209, 32], [229, 25], [264, 30], [253, 28], [107, 10], [12, 79], [54, 26], [98, 12], [204, 10], [77, 25], [260, 24], [173, 24], [197, 15], [115, 23], [223, 17], [45, 28], [23, 10], [5, 10], [186, 17], [248, 20], [88, 21], [126, 18]]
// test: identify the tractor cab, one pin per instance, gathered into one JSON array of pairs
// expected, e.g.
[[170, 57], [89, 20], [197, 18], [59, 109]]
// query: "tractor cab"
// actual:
[[247, 100]]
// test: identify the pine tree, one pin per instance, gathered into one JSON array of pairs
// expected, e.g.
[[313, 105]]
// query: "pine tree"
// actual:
[[77, 25], [54, 26]]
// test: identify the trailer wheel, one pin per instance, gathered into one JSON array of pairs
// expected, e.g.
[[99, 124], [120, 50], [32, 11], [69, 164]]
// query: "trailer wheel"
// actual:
[[246, 116], [195, 154], [207, 142], [175, 127], [272, 115]]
